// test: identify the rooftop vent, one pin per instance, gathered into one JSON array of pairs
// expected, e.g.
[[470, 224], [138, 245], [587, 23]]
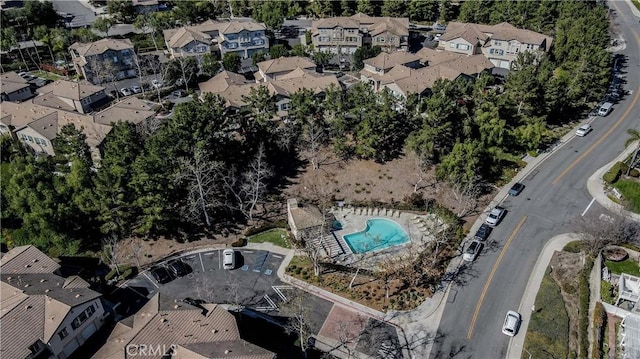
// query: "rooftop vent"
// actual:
[[34, 260], [42, 280], [78, 295], [26, 285], [27, 307], [47, 290]]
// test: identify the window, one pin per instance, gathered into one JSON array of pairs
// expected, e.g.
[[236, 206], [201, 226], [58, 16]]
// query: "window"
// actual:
[[351, 31], [324, 31], [324, 39], [463, 47], [497, 43], [34, 348], [381, 39], [29, 138], [452, 45], [63, 333], [77, 322], [285, 106], [352, 39], [496, 52]]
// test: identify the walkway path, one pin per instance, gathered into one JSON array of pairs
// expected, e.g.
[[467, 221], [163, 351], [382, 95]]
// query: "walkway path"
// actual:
[[611, 323]]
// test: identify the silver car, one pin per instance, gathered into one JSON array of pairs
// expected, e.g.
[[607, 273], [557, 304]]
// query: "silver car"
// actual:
[[472, 251], [511, 323], [228, 259], [495, 216]]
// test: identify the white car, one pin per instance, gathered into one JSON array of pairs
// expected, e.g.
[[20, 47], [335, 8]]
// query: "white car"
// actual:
[[472, 251], [126, 91], [495, 216], [228, 259], [156, 83], [511, 323], [583, 130], [136, 89]]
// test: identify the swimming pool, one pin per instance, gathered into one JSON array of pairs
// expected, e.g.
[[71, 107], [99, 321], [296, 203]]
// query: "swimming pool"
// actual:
[[380, 234]]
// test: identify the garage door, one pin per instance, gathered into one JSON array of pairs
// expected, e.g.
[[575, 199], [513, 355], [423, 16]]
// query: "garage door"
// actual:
[[70, 348], [504, 64], [90, 329]]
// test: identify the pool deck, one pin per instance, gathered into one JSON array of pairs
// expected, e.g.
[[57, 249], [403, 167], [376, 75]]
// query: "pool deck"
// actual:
[[354, 220]]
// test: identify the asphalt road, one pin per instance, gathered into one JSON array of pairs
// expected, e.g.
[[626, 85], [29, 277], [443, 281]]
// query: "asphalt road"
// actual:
[[555, 195], [82, 15]]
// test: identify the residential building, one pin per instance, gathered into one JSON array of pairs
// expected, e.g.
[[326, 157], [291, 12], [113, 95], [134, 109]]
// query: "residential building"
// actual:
[[273, 69], [101, 60], [223, 36], [234, 88], [145, 6], [500, 43], [37, 125], [630, 336], [14, 88], [162, 329], [345, 35], [82, 97], [43, 314], [377, 66]]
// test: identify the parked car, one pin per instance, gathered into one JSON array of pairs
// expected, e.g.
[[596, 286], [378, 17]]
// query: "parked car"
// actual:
[[160, 274], [157, 83], [483, 232], [511, 323], [472, 251], [228, 259], [179, 268], [495, 216], [136, 89], [126, 91], [437, 37], [584, 130], [516, 189], [178, 93]]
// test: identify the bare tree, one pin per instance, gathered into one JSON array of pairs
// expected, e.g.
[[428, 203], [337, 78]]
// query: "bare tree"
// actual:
[[313, 137], [299, 313], [598, 232], [136, 251], [104, 71], [465, 196], [111, 246], [422, 168], [249, 188], [200, 176]]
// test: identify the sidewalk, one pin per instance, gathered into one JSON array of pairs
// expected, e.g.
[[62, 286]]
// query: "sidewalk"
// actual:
[[595, 186], [514, 351]]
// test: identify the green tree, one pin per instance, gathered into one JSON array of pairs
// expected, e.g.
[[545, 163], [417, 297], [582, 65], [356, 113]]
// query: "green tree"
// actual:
[[421, 10], [522, 86], [271, 13], [231, 62], [321, 58], [464, 165], [121, 11], [71, 144], [531, 134], [9, 40], [346, 7], [182, 70], [113, 190], [394, 8], [241, 8], [363, 53], [277, 51], [258, 57], [299, 50], [103, 24], [491, 128], [365, 7], [82, 35], [210, 64], [446, 11], [196, 11]]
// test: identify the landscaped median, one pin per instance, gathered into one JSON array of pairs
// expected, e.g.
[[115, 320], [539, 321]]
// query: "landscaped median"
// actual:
[[623, 188]]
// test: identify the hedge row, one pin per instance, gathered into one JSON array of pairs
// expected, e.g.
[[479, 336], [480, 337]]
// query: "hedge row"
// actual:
[[126, 271], [583, 309], [266, 226], [599, 324]]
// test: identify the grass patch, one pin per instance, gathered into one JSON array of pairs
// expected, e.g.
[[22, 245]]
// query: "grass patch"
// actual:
[[636, 3], [48, 75], [628, 266], [277, 236], [573, 247], [548, 332], [630, 191], [606, 292]]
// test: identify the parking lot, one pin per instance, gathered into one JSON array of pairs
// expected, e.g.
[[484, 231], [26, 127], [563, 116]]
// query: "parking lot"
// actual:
[[253, 284]]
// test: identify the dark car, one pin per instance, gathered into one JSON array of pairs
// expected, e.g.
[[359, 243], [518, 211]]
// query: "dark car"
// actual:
[[195, 302], [160, 274], [178, 93], [179, 268], [516, 189], [483, 232]]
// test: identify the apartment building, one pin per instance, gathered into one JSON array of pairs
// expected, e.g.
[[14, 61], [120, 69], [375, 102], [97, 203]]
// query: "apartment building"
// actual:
[[14, 87], [169, 329], [345, 35], [101, 60], [82, 97], [224, 36], [273, 69], [500, 43], [44, 315]]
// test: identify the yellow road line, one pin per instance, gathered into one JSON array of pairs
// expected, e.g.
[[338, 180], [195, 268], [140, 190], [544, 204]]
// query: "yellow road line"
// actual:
[[493, 272], [602, 138]]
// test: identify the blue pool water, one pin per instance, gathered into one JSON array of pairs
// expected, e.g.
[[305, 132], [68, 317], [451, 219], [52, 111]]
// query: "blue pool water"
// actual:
[[379, 234]]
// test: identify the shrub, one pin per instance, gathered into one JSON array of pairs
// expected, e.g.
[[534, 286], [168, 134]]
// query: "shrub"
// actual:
[[613, 174], [583, 309], [125, 272], [241, 242], [532, 153], [573, 247], [634, 173], [606, 292]]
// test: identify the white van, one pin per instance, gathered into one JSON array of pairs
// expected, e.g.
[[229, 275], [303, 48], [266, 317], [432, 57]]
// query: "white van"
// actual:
[[605, 109], [228, 259]]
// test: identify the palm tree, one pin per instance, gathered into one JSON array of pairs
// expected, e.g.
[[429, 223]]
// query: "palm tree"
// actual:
[[634, 136]]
